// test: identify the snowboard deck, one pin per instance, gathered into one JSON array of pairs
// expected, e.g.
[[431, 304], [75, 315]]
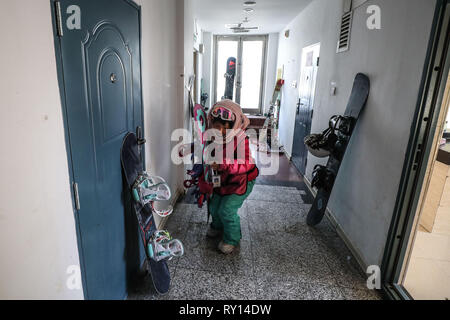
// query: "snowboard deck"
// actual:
[[132, 166], [274, 116], [230, 76], [277, 91], [357, 102]]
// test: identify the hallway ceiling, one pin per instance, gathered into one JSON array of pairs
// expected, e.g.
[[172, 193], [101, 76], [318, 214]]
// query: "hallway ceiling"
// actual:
[[269, 15]]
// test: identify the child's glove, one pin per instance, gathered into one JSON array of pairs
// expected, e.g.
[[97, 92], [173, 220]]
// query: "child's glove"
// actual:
[[204, 187]]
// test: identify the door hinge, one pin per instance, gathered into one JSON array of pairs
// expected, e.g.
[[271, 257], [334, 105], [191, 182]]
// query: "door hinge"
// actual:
[[59, 26], [76, 196], [418, 158], [318, 61]]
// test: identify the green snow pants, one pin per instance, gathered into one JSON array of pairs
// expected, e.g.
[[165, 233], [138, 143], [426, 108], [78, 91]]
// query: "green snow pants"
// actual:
[[224, 213]]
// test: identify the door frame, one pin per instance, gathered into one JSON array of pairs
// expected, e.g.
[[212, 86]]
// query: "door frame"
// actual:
[[313, 97], [420, 146], [240, 39], [62, 92]]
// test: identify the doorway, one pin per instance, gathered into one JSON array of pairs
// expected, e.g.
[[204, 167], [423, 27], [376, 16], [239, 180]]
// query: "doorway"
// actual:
[[240, 70], [305, 105], [416, 260], [426, 274], [98, 55]]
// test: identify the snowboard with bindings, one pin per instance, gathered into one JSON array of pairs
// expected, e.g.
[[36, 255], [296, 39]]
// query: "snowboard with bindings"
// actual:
[[333, 143], [197, 149], [132, 166], [229, 78], [277, 92], [273, 116]]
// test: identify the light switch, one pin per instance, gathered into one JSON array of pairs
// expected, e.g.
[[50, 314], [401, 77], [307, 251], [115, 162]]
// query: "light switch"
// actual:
[[333, 88]]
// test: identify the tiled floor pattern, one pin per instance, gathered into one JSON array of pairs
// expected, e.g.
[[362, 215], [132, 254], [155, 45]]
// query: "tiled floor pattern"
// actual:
[[279, 258], [428, 273]]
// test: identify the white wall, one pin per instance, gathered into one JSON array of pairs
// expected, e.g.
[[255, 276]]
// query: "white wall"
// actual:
[[37, 226], [393, 57], [207, 66], [161, 79], [271, 70], [188, 57]]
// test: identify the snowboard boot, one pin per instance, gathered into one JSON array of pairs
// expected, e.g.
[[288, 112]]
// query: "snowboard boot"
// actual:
[[226, 248], [213, 233]]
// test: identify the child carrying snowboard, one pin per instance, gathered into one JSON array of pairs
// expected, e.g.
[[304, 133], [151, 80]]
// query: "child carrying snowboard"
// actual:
[[237, 172]]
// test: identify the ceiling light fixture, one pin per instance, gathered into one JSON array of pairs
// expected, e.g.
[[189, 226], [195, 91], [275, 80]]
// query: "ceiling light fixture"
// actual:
[[232, 25], [249, 3], [248, 10]]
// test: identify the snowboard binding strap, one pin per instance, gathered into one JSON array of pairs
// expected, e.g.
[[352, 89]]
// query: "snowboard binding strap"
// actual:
[[322, 145], [161, 246], [341, 124], [162, 213], [147, 189], [323, 178]]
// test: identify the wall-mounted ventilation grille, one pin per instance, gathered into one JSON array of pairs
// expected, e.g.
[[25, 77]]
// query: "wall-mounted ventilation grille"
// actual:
[[344, 35]]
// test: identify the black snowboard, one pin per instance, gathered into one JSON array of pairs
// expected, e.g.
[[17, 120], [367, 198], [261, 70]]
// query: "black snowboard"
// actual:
[[327, 175], [132, 166], [230, 76]]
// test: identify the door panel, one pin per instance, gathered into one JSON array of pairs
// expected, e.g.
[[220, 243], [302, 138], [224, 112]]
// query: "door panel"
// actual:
[[101, 67], [305, 105]]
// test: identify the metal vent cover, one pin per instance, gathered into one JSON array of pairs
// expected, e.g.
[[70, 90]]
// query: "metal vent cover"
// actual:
[[345, 31]]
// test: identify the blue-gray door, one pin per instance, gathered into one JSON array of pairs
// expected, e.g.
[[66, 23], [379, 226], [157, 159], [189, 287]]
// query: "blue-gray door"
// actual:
[[98, 45], [304, 111]]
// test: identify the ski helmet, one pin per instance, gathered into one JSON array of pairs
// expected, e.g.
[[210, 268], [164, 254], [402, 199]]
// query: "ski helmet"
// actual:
[[316, 144]]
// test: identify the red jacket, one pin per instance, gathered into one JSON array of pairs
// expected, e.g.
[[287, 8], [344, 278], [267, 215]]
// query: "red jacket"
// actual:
[[236, 172]]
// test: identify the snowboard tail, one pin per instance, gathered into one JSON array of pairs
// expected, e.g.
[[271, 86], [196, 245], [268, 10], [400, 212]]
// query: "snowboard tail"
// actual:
[[324, 177]]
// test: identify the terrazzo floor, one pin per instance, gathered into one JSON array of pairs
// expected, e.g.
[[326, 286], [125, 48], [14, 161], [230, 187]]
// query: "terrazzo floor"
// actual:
[[280, 257]]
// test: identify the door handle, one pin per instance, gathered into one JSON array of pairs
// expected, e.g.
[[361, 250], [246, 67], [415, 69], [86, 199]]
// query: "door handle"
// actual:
[[140, 138], [140, 141], [76, 195]]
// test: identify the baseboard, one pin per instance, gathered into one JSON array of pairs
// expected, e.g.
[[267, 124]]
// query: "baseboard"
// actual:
[[288, 155], [340, 231]]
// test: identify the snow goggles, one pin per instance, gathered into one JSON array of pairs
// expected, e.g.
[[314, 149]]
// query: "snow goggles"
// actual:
[[224, 113]]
